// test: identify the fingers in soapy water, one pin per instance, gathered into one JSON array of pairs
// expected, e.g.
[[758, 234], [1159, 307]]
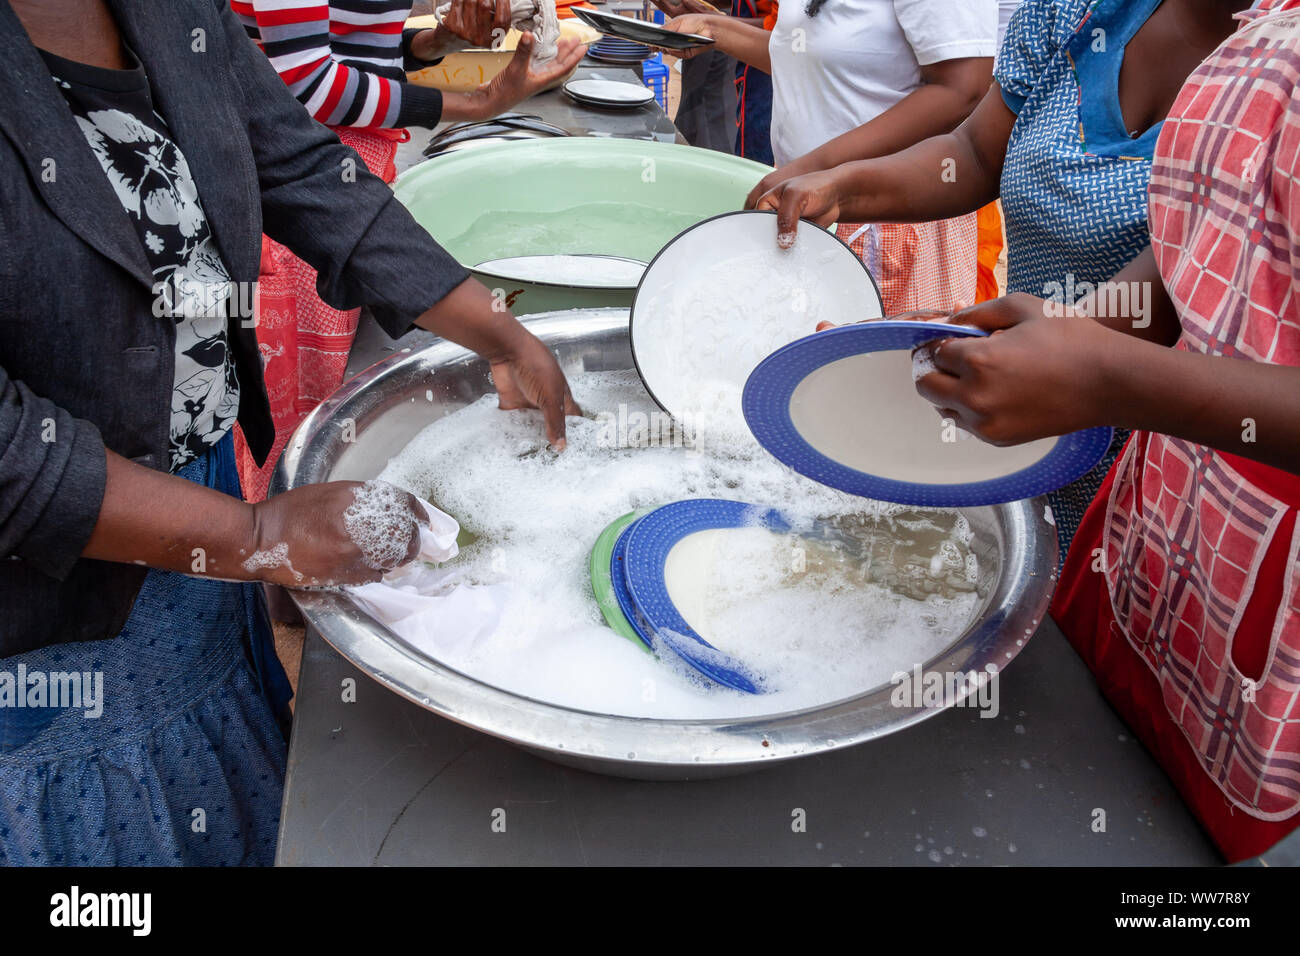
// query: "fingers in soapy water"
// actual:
[[530, 377], [524, 371]]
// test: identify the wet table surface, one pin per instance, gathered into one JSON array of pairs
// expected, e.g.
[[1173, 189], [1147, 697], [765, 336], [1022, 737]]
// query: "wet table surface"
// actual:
[[382, 781], [647, 122]]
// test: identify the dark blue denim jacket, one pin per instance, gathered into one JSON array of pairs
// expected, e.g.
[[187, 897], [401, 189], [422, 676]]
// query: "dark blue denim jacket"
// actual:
[[84, 362]]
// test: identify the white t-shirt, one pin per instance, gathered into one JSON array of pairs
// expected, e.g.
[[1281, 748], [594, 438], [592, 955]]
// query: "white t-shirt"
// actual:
[[1006, 9], [844, 67]]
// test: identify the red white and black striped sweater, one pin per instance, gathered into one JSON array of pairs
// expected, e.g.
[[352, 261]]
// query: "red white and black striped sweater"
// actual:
[[345, 60]]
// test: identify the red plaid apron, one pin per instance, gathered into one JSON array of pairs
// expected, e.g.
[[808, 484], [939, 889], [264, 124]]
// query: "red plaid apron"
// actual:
[[304, 342], [1193, 624]]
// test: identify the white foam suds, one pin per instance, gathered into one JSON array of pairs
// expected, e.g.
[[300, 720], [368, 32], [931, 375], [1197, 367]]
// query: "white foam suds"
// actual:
[[823, 630], [922, 363], [381, 524], [799, 611], [276, 556], [697, 339], [575, 270]]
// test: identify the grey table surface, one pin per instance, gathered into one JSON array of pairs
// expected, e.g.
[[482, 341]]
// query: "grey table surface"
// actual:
[[647, 122], [382, 781]]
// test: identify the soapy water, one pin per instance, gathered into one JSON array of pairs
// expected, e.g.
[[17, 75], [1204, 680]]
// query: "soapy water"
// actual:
[[923, 363], [700, 340], [863, 606], [789, 605]]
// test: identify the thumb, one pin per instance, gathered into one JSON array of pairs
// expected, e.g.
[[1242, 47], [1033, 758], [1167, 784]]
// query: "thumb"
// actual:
[[525, 46], [761, 189], [995, 315]]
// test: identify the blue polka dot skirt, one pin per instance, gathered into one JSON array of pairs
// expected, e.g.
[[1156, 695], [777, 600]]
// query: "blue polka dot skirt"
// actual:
[[184, 764]]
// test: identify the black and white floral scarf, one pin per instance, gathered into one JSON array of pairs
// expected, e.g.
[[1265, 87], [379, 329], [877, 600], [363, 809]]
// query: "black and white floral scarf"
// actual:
[[148, 171]]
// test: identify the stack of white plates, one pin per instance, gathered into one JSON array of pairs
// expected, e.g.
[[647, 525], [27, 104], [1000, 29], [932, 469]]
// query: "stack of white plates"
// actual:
[[610, 94]]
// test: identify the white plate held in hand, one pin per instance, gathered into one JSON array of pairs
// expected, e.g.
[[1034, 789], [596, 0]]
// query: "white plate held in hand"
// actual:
[[722, 296]]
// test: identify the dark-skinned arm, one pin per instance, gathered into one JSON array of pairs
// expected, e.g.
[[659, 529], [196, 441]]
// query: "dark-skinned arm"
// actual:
[[161, 521], [524, 371], [951, 90], [738, 38], [938, 178], [1145, 311], [1041, 375]]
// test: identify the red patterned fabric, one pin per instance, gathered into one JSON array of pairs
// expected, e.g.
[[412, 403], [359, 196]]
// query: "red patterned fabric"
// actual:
[[1200, 550], [1082, 607], [304, 342], [922, 265]]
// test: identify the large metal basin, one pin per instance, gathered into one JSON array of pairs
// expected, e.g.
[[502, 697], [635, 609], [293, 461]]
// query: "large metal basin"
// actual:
[[387, 404]]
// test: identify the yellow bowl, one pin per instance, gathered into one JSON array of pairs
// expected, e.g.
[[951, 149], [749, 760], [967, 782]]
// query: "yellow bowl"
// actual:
[[469, 69]]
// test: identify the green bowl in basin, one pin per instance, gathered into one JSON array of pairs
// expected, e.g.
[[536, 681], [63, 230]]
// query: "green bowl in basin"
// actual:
[[578, 195]]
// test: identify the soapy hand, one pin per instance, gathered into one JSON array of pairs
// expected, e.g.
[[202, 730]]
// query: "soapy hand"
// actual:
[[1035, 375], [339, 532], [813, 196], [526, 375]]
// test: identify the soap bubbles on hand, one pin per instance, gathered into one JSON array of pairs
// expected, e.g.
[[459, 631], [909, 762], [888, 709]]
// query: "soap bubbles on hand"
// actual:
[[381, 521]]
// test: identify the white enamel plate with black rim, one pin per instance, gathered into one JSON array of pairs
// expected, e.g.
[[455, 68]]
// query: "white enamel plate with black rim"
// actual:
[[721, 296], [611, 93]]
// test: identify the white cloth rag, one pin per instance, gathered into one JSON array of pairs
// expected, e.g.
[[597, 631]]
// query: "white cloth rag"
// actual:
[[535, 16], [424, 604]]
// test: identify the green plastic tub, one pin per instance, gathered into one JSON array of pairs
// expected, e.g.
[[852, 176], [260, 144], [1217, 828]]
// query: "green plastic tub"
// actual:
[[570, 196]]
